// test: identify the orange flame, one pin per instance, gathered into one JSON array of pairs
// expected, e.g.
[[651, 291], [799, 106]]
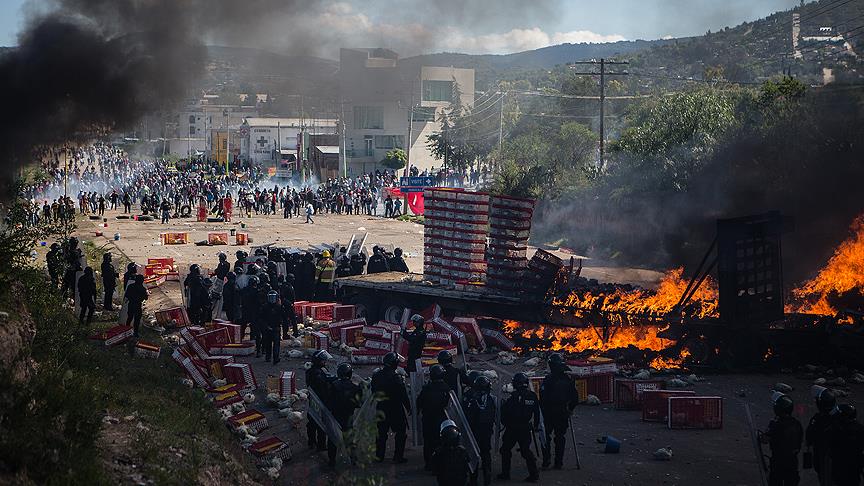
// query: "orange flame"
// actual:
[[844, 272], [703, 304]]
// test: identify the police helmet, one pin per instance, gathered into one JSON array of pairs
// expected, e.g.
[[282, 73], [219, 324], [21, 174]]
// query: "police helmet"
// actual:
[[289, 278], [272, 297], [482, 383], [445, 425], [55, 246], [783, 405], [320, 357], [253, 281], [391, 360], [555, 360], [397, 252], [444, 357], [450, 435], [240, 254], [131, 267], [418, 320], [195, 269], [231, 276], [437, 372], [825, 399], [344, 370], [472, 377], [520, 380], [847, 411], [106, 257], [222, 256], [207, 282]]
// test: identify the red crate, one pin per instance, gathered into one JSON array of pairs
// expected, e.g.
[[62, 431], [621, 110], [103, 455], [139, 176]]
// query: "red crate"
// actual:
[[628, 393], [298, 308], [319, 312], [695, 413], [344, 312], [655, 403], [601, 386]]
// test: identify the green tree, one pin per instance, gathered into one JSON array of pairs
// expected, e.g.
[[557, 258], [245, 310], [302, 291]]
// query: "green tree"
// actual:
[[395, 159]]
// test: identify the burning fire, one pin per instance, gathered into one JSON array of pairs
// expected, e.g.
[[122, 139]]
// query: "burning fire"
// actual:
[[843, 273], [645, 302], [616, 307]]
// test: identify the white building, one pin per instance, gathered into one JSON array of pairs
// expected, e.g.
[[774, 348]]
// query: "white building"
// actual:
[[378, 91], [262, 138]]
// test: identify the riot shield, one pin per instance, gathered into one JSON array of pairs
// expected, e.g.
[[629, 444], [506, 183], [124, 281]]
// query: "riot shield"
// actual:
[[321, 415], [497, 430], [77, 296], [416, 382], [541, 431], [218, 303], [124, 308], [455, 413], [367, 411]]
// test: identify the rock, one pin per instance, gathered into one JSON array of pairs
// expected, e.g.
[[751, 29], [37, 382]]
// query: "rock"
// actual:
[[110, 420], [532, 361], [677, 383], [128, 418], [782, 388], [839, 381], [857, 378], [820, 381], [592, 400], [642, 375], [663, 454]]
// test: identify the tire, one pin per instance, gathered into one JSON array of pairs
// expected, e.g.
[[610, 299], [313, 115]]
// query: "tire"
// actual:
[[122, 216]]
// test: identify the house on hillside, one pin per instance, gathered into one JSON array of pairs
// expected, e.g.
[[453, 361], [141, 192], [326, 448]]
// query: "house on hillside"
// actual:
[[378, 91]]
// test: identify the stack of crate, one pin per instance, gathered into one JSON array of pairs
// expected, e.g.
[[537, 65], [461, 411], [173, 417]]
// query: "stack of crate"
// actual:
[[541, 273], [455, 235], [509, 227]]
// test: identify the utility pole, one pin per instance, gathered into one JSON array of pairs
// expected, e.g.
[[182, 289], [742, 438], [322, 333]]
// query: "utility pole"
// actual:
[[603, 63], [501, 128], [407, 170]]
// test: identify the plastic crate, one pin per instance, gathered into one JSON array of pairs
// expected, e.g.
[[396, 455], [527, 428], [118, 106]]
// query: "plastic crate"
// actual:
[[344, 312], [655, 403], [582, 389], [695, 413], [601, 386], [629, 393]]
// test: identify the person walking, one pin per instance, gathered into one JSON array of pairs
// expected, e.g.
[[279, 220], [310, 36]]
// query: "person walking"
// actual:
[[450, 459], [318, 380], [784, 436], [558, 398], [416, 340], [519, 415], [273, 319], [309, 212], [87, 295], [480, 411], [109, 281], [136, 294], [344, 399], [431, 405]]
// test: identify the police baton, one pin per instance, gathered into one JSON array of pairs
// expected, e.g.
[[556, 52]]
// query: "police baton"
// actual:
[[575, 445]]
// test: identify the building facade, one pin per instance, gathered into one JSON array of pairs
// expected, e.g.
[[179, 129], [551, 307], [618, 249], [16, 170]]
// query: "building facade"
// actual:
[[388, 103], [264, 141]]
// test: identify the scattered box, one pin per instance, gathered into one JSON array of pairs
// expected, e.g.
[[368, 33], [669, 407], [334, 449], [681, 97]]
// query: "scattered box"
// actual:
[[241, 374], [233, 330], [215, 364], [174, 317], [344, 312], [335, 326], [629, 393], [468, 325], [497, 339], [174, 238], [317, 340], [227, 398], [283, 385], [390, 326], [592, 366], [695, 413], [254, 420], [241, 239], [266, 450], [601, 386], [378, 334], [235, 349], [349, 335], [386, 346], [118, 334], [655, 403], [367, 356], [217, 238], [211, 339]]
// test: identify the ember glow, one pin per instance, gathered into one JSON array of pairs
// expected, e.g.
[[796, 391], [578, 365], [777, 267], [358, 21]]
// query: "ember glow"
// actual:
[[641, 302], [843, 273]]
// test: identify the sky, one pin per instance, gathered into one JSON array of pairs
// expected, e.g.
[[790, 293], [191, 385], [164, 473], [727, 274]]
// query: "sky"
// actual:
[[483, 26]]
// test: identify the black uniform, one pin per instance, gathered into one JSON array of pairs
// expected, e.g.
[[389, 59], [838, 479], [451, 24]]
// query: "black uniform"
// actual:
[[109, 283], [73, 266], [249, 312], [377, 264], [479, 407], [305, 280], [318, 380], [358, 264], [450, 463], [87, 294], [343, 267], [846, 440], [199, 300], [397, 264], [272, 319], [454, 376], [416, 340], [287, 296], [231, 300], [136, 294], [816, 437], [344, 399], [222, 269], [431, 405], [785, 435], [54, 260], [393, 406], [518, 415], [558, 398]]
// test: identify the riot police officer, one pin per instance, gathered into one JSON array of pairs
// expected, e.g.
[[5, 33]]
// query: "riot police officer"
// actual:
[[452, 375], [416, 341], [273, 318], [393, 406], [450, 459], [249, 308], [54, 260], [784, 436], [344, 398], [223, 267], [431, 405], [480, 409], [109, 281], [558, 398], [846, 438], [519, 414], [816, 436], [318, 380]]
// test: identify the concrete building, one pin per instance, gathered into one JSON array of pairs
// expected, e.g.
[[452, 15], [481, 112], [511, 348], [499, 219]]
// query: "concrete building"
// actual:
[[201, 120], [377, 93], [262, 138]]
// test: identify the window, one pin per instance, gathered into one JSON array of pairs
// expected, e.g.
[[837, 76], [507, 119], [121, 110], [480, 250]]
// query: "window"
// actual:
[[437, 90], [389, 141], [368, 117], [191, 119], [424, 114], [367, 140], [191, 130]]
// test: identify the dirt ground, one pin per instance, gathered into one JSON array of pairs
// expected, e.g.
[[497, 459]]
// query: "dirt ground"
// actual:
[[713, 457]]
